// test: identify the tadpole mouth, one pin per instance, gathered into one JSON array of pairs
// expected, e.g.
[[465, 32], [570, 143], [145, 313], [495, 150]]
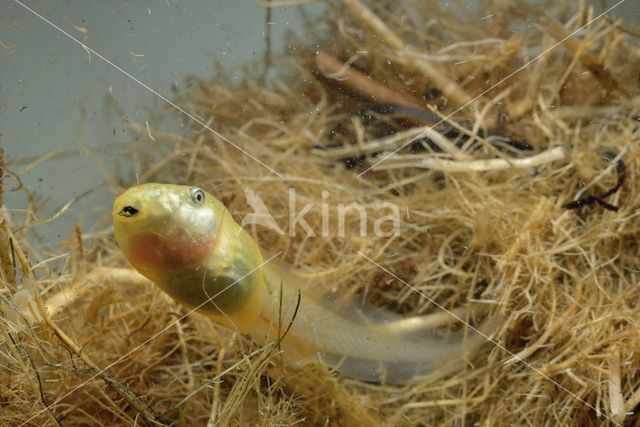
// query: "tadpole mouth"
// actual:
[[128, 211]]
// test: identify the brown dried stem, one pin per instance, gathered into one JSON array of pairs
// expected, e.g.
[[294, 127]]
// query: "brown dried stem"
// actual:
[[455, 94], [343, 74], [577, 47]]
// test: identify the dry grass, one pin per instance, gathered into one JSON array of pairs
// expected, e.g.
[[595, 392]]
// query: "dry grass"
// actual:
[[565, 280]]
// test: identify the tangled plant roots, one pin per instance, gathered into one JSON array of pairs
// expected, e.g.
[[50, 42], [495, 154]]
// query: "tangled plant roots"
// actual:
[[482, 224]]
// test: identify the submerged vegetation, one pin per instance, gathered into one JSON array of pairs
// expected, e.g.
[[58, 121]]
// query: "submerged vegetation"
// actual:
[[523, 201]]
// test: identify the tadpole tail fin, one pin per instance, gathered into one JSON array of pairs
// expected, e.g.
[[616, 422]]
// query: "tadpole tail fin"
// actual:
[[414, 357], [361, 341]]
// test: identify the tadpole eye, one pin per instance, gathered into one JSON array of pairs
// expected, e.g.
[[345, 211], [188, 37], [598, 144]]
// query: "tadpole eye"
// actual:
[[197, 195], [128, 211]]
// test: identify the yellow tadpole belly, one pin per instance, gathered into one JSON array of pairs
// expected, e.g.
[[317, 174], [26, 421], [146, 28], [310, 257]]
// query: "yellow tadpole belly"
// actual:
[[184, 240]]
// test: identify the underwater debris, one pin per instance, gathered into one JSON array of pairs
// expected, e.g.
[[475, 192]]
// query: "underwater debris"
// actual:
[[480, 227], [591, 199]]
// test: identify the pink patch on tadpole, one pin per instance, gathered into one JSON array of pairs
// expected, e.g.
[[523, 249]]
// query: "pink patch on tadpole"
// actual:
[[152, 251]]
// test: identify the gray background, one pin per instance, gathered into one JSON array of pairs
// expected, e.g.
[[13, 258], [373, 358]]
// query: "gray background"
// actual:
[[53, 96], [64, 92]]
